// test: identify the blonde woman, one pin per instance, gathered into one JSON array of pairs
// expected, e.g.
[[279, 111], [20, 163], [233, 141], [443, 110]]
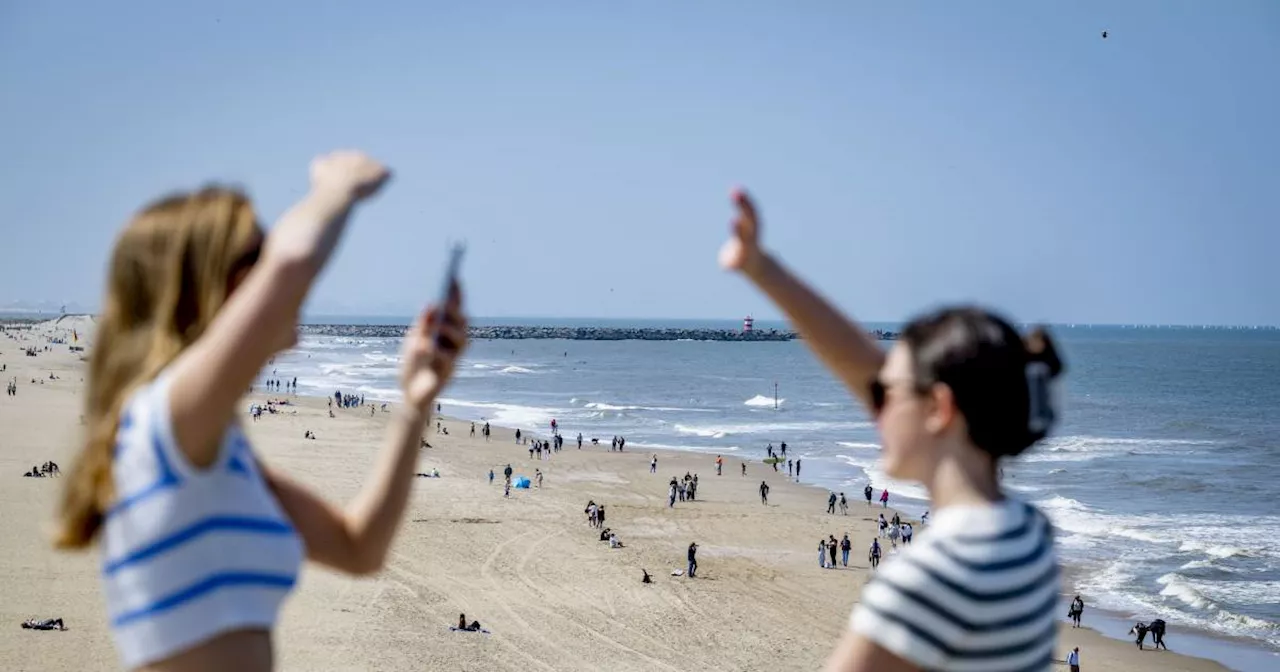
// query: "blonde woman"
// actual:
[[200, 539]]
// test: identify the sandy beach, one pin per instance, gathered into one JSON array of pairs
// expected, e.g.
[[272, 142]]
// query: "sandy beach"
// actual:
[[528, 568]]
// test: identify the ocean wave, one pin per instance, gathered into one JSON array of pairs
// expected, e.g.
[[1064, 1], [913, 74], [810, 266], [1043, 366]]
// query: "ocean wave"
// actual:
[[1085, 448], [859, 444], [1217, 537], [515, 369], [881, 481], [1185, 601], [1209, 596], [686, 448], [509, 415], [761, 401], [601, 406], [774, 428]]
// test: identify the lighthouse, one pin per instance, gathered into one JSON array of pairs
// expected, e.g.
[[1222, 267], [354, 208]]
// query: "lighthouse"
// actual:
[[747, 324]]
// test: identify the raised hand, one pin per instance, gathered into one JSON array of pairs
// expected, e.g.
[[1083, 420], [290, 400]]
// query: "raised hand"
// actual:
[[431, 348], [742, 250], [351, 174]]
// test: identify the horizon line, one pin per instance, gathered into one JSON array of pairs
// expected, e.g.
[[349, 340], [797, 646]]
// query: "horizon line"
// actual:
[[311, 319]]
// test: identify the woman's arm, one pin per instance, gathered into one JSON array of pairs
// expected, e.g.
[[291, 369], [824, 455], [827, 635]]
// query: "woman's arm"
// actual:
[[258, 319], [855, 653], [356, 540], [838, 341]]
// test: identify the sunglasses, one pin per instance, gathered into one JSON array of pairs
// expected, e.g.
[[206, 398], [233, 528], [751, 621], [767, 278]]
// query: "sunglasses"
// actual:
[[879, 397]]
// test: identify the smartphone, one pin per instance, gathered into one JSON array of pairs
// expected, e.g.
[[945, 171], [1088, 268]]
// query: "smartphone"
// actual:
[[451, 273]]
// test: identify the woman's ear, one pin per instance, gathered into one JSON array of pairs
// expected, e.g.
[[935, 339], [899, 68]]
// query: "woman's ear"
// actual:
[[940, 412]]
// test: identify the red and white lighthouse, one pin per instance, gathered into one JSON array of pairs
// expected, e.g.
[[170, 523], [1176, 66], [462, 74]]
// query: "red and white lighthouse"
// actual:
[[747, 324]]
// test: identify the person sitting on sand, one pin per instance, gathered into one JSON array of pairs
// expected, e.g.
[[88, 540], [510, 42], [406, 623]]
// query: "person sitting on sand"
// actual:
[[604, 534], [960, 392], [613, 541], [646, 578], [474, 626], [198, 299]]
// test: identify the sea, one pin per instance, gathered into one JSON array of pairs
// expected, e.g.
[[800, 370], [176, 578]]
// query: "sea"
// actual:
[[1163, 478]]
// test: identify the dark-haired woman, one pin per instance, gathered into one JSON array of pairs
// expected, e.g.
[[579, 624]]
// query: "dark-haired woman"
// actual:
[[960, 390]]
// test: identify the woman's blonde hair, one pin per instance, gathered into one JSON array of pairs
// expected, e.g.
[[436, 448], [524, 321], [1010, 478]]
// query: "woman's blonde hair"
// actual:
[[170, 273]]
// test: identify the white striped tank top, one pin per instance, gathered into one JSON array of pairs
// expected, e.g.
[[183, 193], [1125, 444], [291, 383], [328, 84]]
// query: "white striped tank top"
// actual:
[[188, 553], [976, 593]]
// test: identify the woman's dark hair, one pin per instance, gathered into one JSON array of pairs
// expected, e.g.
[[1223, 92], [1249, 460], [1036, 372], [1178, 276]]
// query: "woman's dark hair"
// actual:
[[1000, 380]]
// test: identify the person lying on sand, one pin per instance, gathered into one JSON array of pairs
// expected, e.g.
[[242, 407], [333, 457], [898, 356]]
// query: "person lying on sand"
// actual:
[[46, 624]]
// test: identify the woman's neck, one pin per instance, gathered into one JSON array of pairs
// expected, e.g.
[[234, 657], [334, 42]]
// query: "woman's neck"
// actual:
[[963, 478]]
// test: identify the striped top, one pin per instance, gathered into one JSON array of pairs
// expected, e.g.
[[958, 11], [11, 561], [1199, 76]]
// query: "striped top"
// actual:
[[188, 553], [976, 594]]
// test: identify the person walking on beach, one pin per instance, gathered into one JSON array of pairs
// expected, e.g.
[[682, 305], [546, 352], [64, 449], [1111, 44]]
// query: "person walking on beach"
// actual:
[[867, 492], [693, 560], [791, 468], [959, 391], [490, 476], [884, 498], [579, 440], [1073, 660], [473, 430], [832, 546], [822, 553], [764, 493], [486, 431], [831, 503], [1076, 611], [518, 436], [537, 477], [744, 469], [845, 547], [844, 505], [653, 464], [797, 470], [201, 540], [906, 534], [873, 555], [719, 464]]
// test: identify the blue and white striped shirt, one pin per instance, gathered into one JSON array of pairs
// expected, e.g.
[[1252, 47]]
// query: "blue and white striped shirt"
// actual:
[[976, 594], [189, 553]]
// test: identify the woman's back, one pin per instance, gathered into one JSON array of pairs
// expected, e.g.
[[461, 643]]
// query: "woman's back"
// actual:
[[189, 553], [976, 593]]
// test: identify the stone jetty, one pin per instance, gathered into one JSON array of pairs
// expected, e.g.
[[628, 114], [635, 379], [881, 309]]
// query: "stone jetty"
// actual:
[[572, 333]]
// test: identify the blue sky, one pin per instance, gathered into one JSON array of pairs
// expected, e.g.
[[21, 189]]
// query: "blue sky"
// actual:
[[904, 154]]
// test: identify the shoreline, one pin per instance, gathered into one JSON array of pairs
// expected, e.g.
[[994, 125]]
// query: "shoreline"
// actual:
[[526, 567]]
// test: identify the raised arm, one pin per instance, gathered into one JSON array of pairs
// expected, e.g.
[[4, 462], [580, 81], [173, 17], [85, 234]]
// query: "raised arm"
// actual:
[[839, 342], [260, 316], [356, 540]]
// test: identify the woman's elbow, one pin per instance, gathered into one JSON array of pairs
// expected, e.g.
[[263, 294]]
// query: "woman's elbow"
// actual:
[[364, 563]]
